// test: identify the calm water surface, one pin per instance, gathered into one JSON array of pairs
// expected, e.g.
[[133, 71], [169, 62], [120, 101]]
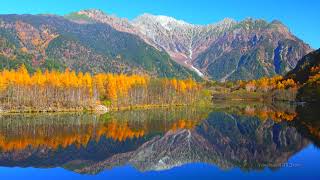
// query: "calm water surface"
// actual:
[[228, 140]]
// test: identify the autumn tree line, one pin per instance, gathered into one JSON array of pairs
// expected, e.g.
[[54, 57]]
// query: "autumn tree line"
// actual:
[[277, 88], [280, 83], [266, 84], [54, 90], [280, 88], [304, 86]]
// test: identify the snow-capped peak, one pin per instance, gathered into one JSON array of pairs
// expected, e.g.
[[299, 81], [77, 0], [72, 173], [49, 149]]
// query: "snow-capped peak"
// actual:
[[164, 21]]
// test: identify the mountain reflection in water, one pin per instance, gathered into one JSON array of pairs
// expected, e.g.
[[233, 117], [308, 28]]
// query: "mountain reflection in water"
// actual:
[[246, 136]]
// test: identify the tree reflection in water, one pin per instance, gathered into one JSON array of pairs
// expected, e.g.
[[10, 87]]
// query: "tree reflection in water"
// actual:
[[249, 136]]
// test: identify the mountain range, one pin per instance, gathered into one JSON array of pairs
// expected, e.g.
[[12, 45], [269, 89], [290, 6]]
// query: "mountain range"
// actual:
[[91, 40]]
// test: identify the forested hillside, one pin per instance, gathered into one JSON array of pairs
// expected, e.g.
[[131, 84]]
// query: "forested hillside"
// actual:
[[53, 42]]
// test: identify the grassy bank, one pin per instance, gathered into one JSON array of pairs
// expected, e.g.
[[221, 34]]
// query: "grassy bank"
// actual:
[[94, 109]]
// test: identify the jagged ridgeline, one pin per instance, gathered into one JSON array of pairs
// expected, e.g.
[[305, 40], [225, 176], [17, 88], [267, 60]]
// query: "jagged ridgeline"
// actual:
[[53, 42], [227, 50]]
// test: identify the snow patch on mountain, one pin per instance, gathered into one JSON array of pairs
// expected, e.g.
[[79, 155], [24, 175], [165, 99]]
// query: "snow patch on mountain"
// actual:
[[223, 79], [194, 68]]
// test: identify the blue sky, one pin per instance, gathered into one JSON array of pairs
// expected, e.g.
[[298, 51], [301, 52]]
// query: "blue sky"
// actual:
[[302, 17]]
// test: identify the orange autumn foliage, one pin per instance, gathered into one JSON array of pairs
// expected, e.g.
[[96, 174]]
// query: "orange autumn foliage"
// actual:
[[266, 84], [68, 89]]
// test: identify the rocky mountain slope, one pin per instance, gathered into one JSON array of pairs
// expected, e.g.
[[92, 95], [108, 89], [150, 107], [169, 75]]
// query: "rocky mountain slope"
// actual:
[[227, 50], [307, 73], [303, 70], [252, 49], [55, 42]]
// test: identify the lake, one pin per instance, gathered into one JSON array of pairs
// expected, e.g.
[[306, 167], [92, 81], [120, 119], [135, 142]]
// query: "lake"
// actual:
[[228, 140]]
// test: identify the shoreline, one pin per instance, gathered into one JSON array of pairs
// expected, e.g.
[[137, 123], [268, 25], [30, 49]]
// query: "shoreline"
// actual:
[[138, 107], [91, 109]]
